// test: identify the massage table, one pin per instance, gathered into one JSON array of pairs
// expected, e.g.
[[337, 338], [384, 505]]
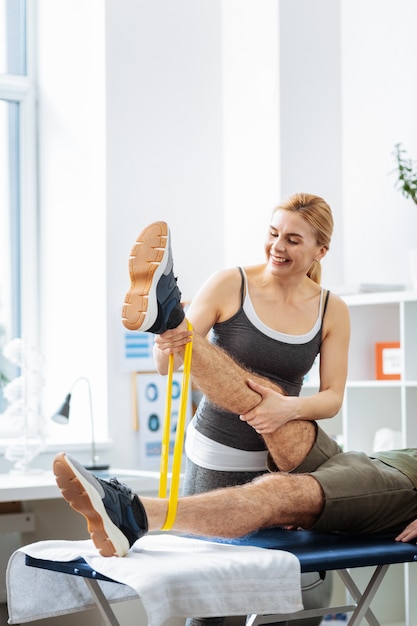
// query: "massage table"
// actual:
[[315, 552]]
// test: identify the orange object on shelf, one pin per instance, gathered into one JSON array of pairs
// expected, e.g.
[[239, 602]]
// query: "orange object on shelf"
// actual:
[[388, 360]]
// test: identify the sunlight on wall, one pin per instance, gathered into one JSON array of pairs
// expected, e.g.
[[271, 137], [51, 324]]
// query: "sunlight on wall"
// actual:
[[250, 122], [73, 205]]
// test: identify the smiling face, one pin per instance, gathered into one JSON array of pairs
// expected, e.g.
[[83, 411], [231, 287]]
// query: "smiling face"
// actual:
[[291, 245]]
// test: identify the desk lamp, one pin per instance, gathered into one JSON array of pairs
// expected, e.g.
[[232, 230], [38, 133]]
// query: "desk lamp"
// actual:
[[61, 416]]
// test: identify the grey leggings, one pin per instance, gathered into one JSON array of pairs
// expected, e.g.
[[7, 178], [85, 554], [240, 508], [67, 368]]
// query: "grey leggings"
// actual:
[[198, 479]]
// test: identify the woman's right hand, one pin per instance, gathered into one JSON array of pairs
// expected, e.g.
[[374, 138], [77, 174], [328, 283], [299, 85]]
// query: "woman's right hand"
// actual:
[[173, 341]]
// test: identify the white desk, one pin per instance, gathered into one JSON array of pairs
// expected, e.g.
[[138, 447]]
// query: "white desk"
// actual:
[[32, 490], [42, 485]]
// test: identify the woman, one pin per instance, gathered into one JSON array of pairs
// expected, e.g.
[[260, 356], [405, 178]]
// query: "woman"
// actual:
[[274, 318]]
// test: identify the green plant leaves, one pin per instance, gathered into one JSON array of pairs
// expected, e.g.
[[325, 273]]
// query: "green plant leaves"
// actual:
[[406, 173]]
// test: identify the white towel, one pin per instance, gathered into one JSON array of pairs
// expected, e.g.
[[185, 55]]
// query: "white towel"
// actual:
[[173, 576]]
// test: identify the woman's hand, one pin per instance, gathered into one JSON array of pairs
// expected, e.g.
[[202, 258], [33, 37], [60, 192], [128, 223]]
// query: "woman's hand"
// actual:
[[173, 341], [272, 412], [409, 532]]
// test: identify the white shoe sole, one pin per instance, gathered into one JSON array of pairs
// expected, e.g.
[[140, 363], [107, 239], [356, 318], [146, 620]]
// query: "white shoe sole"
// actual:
[[84, 498], [148, 261]]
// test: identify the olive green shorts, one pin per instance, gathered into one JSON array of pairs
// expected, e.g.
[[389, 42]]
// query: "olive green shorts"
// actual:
[[362, 495]]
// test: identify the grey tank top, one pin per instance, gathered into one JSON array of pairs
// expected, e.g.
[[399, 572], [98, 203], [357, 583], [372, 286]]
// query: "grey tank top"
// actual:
[[284, 359]]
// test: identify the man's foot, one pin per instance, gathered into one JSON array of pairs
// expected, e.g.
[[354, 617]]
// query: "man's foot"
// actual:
[[116, 519], [153, 302]]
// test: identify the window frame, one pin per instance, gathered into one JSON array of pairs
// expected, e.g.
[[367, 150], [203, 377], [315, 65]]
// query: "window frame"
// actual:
[[21, 89]]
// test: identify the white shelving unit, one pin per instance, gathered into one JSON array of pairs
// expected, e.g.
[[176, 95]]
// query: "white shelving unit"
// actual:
[[370, 404]]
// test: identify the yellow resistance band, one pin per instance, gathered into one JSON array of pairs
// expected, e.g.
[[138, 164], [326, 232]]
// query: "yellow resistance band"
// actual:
[[179, 436]]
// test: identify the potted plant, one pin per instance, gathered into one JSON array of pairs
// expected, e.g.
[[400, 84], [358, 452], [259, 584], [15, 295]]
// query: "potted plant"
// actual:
[[406, 173], [407, 182]]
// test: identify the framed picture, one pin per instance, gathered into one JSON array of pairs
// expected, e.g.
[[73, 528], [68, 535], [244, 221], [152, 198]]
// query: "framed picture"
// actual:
[[388, 360], [149, 397]]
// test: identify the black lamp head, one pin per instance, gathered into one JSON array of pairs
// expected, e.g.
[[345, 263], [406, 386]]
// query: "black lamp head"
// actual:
[[61, 416]]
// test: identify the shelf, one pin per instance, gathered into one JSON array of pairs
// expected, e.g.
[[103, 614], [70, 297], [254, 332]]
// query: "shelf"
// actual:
[[381, 383], [376, 298]]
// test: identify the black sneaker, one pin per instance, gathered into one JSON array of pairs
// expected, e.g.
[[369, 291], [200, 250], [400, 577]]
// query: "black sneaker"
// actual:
[[116, 519], [153, 302]]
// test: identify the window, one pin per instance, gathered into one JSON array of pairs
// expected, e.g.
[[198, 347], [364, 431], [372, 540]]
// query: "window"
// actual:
[[18, 218], [42, 112], [13, 37]]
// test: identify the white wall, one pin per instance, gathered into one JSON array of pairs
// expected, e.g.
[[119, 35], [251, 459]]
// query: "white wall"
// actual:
[[164, 131], [72, 198], [164, 158], [347, 97], [310, 112], [379, 50], [251, 155]]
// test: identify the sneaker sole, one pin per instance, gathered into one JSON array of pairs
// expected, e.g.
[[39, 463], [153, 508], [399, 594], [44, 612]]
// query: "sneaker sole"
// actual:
[[147, 262], [84, 498]]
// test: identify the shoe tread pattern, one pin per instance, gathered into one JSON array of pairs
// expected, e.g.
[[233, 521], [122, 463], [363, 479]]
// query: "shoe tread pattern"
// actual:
[[145, 258], [76, 496]]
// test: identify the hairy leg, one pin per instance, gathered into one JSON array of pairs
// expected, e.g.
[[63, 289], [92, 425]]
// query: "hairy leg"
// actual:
[[224, 382], [271, 500]]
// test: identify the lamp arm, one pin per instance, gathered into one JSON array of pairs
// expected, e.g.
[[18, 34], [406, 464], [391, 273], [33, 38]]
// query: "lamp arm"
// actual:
[[90, 400]]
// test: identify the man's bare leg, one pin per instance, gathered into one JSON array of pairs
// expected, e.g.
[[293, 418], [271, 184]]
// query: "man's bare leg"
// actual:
[[224, 382], [272, 500], [117, 518]]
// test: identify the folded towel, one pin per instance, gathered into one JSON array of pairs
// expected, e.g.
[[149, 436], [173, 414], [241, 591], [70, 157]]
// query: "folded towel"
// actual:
[[173, 576]]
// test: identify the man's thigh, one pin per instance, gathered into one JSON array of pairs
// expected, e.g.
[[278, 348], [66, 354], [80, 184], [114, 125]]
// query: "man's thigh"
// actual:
[[364, 496]]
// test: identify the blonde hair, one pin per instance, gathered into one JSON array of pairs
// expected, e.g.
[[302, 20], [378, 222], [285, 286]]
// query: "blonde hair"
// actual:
[[316, 212]]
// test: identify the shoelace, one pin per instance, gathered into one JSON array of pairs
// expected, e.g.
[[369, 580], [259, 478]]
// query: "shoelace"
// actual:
[[119, 486], [179, 436]]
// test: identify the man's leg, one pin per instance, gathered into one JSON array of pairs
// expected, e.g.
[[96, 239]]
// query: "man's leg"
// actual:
[[116, 519], [153, 304], [224, 382], [272, 500]]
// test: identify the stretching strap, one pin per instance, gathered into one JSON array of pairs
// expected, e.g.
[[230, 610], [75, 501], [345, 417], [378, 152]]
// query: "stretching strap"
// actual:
[[179, 436]]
